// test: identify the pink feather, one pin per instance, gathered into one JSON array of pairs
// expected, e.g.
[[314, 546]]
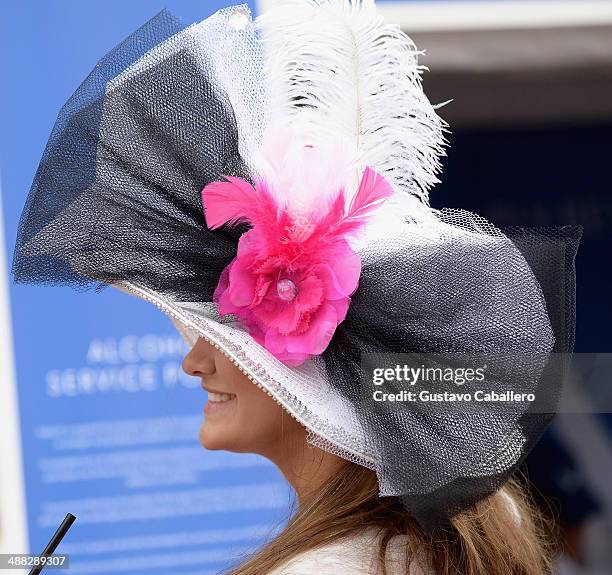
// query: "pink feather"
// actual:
[[227, 202], [237, 201], [373, 190]]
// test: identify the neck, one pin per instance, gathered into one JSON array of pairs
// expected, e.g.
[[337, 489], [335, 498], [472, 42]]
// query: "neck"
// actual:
[[307, 468]]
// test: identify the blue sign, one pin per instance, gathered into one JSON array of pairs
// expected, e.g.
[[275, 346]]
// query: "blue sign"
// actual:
[[109, 421]]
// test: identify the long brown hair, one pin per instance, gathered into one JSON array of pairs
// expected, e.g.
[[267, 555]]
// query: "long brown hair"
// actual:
[[501, 535]]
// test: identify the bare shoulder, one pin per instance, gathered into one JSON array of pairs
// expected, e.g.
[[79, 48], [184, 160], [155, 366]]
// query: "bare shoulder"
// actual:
[[353, 555]]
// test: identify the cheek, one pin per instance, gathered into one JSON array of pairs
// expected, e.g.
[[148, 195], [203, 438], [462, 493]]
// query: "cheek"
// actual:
[[261, 420], [254, 424]]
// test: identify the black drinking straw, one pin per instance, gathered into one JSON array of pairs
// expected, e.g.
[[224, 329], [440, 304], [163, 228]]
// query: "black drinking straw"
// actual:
[[54, 542]]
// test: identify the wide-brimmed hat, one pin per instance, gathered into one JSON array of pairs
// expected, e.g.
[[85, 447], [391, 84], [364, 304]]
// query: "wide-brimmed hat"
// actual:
[[265, 184]]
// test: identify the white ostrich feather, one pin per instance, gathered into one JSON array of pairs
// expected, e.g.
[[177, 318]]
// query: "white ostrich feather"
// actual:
[[334, 68]]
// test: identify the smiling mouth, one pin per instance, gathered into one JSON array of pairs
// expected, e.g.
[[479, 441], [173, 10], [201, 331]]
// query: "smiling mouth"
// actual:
[[220, 397], [218, 401]]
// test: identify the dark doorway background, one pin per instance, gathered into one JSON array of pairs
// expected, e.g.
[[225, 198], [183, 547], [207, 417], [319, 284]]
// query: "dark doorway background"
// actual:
[[543, 176]]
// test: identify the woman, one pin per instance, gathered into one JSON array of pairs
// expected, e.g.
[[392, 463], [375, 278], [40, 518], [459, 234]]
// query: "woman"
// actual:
[[265, 184], [342, 526]]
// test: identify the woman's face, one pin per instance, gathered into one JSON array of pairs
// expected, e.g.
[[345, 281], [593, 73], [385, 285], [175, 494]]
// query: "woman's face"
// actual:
[[239, 416]]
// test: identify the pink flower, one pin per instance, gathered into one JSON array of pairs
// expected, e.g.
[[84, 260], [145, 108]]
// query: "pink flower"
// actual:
[[294, 273]]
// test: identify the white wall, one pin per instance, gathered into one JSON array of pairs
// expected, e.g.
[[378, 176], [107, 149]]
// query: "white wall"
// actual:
[[13, 527], [479, 14]]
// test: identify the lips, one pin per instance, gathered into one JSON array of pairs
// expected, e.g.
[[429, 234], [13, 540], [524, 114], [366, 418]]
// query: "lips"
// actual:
[[217, 401], [220, 397], [209, 389]]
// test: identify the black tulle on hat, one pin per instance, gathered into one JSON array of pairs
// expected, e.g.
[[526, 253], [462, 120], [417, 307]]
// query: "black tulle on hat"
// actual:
[[173, 117]]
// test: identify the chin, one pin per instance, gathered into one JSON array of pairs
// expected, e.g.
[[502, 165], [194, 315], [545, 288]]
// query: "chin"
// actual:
[[210, 440], [215, 439]]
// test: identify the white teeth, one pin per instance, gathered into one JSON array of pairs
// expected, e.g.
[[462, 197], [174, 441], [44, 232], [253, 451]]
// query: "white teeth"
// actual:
[[220, 397]]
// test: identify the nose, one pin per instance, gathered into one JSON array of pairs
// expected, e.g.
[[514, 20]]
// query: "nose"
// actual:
[[200, 361]]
